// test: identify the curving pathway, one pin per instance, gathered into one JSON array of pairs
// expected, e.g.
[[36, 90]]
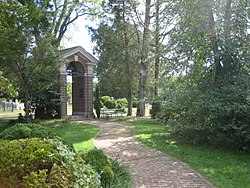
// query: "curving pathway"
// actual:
[[150, 167]]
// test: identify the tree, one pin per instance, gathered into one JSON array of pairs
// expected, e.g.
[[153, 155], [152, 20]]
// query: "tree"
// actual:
[[208, 52], [144, 61], [97, 102], [37, 28], [7, 90], [117, 45]]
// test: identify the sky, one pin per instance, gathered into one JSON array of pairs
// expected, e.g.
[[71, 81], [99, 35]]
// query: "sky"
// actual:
[[78, 35]]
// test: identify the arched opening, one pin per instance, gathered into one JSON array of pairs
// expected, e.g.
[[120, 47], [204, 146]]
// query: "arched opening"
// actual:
[[75, 88], [79, 65]]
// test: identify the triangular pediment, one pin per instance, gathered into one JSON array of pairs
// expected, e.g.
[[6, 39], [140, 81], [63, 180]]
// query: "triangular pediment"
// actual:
[[80, 51]]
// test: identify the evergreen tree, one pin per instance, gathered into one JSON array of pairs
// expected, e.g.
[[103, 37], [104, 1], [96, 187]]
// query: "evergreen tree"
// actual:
[[117, 47], [97, 102]]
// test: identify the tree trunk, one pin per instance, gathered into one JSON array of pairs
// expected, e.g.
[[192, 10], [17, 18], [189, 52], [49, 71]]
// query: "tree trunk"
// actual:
[[128, 64], [26, 105], [144, 63], [214, 38], [157, 48], [228, 63], [130, 99]]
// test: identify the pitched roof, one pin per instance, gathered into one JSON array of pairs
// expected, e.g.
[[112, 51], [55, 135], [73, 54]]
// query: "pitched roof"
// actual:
[[77, 49]]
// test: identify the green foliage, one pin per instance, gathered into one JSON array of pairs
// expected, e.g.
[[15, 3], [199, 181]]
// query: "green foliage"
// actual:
[[122, 103], [43, 163], [104, 99], [107, 176], [155, 109], [225, 169], [19, 131], [101, 164], [113, 174], [118, 47], [32, 54], [7, 89], [122, 175], [110, 104], [135, 103], [217, 116], [97, 102], [206, 102]]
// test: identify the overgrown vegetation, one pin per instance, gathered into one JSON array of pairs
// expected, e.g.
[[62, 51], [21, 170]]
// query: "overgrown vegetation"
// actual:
[[43, 163], [113, 174], [102, 165], [21, 131], [225, 169], [45, 158], [219, 116], [206, 99]]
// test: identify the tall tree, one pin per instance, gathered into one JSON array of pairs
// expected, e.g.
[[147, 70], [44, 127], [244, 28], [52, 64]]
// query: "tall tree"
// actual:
[[117, 47], [144, 61], [37, 28], [207, 100]]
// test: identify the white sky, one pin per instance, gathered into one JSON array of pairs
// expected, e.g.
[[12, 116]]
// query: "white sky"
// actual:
[[77, 35]]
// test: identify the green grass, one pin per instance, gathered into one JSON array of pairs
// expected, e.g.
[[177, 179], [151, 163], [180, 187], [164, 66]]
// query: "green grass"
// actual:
[[10, 115], [225, 169], [6, 116], [79, 135]]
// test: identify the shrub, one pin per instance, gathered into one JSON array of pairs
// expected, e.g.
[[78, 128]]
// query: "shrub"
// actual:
[[134, 103], [122, 103], [104, 99], [101, 164], [156, 107], [218, 117], [43, 163], [110, 104], [20, 130], [122, 175], [113, 174]]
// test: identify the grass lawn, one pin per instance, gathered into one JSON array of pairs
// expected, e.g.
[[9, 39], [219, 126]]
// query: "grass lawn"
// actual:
[[81, 136], [225, 169], [5, 116]]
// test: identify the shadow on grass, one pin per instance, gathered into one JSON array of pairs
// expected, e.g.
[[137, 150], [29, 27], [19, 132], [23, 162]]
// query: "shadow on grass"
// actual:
[[225, 168], [79, 135]]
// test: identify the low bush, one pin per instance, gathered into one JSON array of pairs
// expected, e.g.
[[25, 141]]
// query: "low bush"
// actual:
[[113, 175], [122, 175], [104, 99], [101, 164], [134, 103], [218, 117], [155, 110], [20, 130], [122, 103], [110, 104], [43, 163]]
